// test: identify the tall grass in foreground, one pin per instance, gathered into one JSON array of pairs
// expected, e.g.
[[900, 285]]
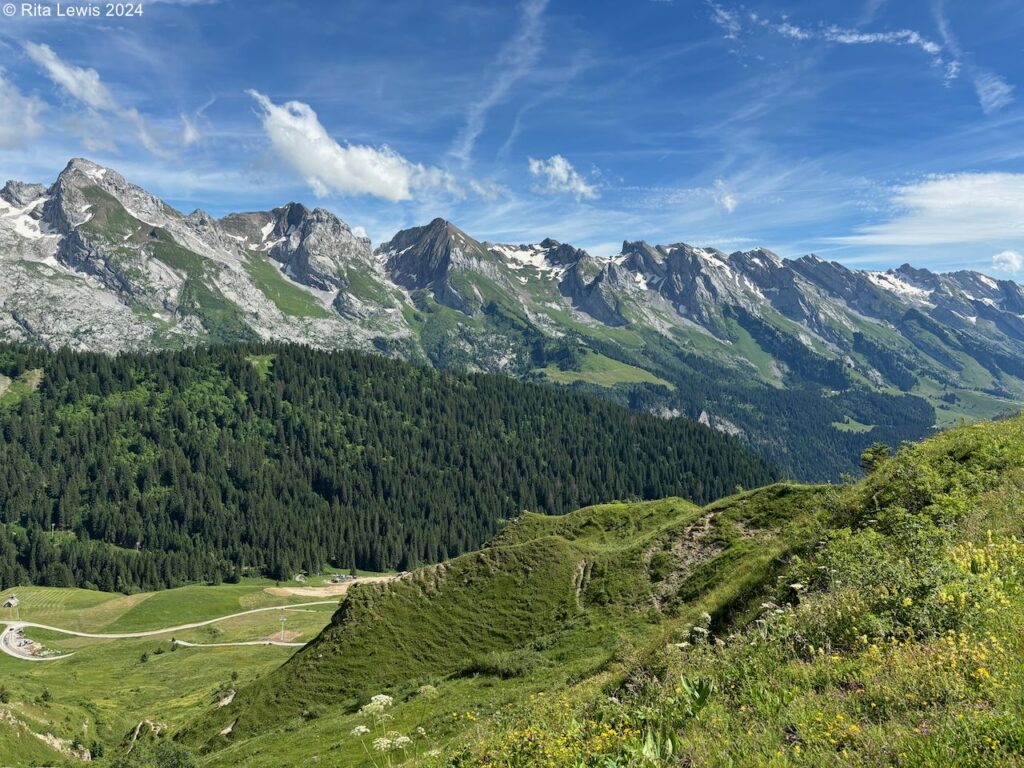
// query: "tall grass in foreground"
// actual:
[[897, 639]]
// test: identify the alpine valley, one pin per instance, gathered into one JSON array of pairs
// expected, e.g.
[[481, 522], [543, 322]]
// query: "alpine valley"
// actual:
[[807, 361]]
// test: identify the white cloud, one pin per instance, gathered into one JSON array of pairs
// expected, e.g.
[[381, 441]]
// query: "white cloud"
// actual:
[[994, 93], [303, 143], [189, 131], [900, 37], [792, 31], [557, 175], [486, 190], [512, 64], [192, 125], [1008, 261], [19, 123], [844, 36], [84, 85], [724, 196], [956, 208], [728, 20], [952, 72]]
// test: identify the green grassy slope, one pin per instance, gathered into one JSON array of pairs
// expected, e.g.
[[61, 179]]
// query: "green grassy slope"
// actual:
[[547, 605], [287, 296], [873, 624], [19, 740], [894, 640]]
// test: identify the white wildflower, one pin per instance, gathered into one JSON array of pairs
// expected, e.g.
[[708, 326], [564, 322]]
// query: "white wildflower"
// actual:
[[382, 744], [402, 742], [360, 730], [382, 699]]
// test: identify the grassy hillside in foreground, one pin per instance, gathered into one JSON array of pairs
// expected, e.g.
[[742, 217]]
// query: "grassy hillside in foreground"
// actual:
[[874, 624], [550, 604]]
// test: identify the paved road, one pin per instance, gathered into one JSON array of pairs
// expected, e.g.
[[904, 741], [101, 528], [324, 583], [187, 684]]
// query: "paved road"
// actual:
[[8, 646]]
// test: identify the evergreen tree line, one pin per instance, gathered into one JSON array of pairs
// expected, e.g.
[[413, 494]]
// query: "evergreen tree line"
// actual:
[[145, 471]]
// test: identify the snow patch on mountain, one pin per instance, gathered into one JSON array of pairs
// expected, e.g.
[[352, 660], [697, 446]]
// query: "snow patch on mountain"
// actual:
[[888, 281]]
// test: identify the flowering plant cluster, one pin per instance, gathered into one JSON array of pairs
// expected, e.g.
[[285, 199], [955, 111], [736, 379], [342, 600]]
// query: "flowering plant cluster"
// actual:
[[385, 746]]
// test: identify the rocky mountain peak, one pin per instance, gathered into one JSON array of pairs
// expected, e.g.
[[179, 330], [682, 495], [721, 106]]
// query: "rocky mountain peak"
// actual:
[[425, 257], [561, 254], [20, 193], [200, 218], [315, 247], [919, 278], [643, 258], [759, 257], [84, 167], [84, 184]]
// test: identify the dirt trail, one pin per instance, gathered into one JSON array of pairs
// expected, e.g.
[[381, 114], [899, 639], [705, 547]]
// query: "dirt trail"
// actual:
[[329, 590]]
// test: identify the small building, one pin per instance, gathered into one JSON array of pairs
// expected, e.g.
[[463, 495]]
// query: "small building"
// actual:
[[11, 602]]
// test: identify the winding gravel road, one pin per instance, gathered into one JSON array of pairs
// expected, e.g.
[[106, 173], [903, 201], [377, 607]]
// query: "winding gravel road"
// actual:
[[8, 646]]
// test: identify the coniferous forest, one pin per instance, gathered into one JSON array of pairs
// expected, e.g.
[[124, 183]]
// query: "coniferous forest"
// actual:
[[145, 471]]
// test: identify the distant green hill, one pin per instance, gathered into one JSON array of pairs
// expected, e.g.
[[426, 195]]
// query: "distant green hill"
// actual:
[[146, 471], [873, 624]]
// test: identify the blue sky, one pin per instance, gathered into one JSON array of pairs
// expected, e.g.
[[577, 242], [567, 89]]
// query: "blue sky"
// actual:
[[869, 131]]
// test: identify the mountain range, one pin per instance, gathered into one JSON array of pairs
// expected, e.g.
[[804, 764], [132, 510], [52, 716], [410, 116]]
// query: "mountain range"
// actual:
[[807, 360]]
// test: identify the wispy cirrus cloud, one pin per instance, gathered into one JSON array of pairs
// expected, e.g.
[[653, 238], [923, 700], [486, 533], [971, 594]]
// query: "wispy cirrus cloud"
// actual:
[[728, 20], [951, 209], [19, 116], [992, 90], [724, 196], [734, 22], [85, 86], [191, 130], [514, 61]]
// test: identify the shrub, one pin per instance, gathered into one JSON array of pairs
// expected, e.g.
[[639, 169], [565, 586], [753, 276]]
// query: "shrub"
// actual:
[[503, 664]]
